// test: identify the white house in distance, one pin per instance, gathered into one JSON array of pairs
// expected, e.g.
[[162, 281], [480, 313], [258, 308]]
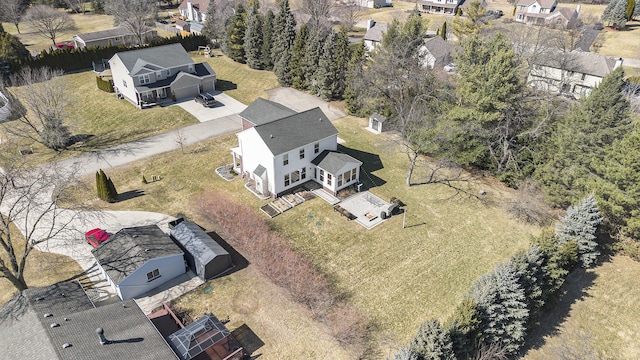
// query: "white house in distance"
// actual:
[[136, 260], [575, 73], [147, 76], [280, 149], [373, 4], [546, 12], [375, 33], [194, 10]]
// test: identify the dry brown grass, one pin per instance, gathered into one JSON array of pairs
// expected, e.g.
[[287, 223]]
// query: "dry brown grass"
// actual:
[[624, 43], [42, 269], [604, 320]]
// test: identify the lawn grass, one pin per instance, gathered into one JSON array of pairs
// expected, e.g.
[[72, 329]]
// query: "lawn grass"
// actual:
[[84, 23], [397, 277], [109, 120], [238, 80], [600, 310], [41, 269], [623, 43]]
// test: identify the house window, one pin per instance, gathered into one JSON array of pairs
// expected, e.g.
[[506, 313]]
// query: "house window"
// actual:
[[168, 72], [347, 176], [153, 275], [353, 174], [124, 82], [285, 159], [329, 179], [295, 176], [523, 8], [321, 175], [316, 148], [339, 180], [144, 79], [301, 153], [315, 173], [287, 180], [303, 173]]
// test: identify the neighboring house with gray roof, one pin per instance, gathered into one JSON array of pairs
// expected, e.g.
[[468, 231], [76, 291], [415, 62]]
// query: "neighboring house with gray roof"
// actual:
[[575, 73], [204, 256], [436, 52], [60, 322], [275, 152], [112, 37], [546, 12], [147, 76], [375, 33], [138, 259]]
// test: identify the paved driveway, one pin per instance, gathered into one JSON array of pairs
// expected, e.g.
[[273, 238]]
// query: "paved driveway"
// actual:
[[225, 106], [301, 101]]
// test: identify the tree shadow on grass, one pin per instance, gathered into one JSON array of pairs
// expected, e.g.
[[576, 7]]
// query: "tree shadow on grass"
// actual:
[[131, 194], [556, 312]]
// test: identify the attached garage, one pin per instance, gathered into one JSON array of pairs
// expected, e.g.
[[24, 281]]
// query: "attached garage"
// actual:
[[204, 255]]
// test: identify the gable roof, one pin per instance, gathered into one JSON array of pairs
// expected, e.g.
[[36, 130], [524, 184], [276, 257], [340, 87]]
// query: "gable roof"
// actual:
[[27, 334], [197, 242], [543, 3], [107, 34], [155, 58], [376, 32], [198, 336], [565, 12], [581, 62], [334, 161], [438, 47], [131, 247], [201, 5], [295, 131], [263, 111]]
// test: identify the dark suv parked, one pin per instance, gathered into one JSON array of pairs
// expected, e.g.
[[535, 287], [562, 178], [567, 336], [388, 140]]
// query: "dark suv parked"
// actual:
[[206, 99]]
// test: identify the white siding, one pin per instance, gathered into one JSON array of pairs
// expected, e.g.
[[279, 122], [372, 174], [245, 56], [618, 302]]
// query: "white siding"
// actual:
[[136, 283], [121, 74], [255, 152]]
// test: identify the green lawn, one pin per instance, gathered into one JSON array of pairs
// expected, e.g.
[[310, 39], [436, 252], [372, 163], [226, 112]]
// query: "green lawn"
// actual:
[[108, 120], [398, 277]]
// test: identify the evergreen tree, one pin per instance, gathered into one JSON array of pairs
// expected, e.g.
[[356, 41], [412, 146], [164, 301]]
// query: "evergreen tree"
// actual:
[[580, 225], [253, 39], [464, 328], [530, 270], [298, 75], [112, 193], [560, 260], [404, 354], [631, 5], [502, 306], [636, 11], [354, 76], [443, 32], [212, 29], [326, 69], [580, 140], [615, 14], [235, 35], [100, 186], [432, 343], [342, 56], [311, 59], [267, 40], [11, 49], [617, 188], [284, 34], [105, 188]]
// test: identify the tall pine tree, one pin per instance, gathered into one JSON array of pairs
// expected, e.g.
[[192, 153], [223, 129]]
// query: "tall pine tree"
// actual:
[[235, 35], [326, 75], [580, 225], [431, 342], [284, 34], [354, 76], [312, 55], [253, 39], [298, 75], [267, 40], [342, 55]]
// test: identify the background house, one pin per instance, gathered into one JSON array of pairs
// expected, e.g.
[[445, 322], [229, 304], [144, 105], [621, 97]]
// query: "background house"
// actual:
[[110, 37], [575, 73], [436, 52], [194, 10], [147, 76], [38, 322], [204, 256], [545, 12], [373, 4], [375, 33], [138, 259], [278, 147]]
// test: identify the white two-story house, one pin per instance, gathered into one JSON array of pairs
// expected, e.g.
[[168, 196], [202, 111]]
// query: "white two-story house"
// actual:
[[194, 10], [575, 73], [147, 76], [280, 149], [546, 12]]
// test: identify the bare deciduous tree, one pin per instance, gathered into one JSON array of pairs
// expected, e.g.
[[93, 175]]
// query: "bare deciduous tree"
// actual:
[[349, 12], [77, 6], [47, 101], [134, 15], [319, 11], [180, 139], [48, 21], [28, 201], [11, 11]]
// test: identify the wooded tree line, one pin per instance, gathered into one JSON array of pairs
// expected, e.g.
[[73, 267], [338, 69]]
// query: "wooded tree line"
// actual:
[[502, 307]]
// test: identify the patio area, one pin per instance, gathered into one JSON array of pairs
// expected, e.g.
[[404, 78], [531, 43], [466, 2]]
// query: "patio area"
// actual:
[[366, 208]]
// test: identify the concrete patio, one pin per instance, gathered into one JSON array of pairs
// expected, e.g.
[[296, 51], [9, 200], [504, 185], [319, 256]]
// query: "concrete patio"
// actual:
[[366, 207]]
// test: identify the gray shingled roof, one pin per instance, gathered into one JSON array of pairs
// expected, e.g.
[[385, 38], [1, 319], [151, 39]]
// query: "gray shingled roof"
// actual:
[[26, 332], [197, 242], [378, 117], [166, 56], [439, 49], [543, 3], [129, 248], [259, 171], [262, 111], [579, 61], [106, 34], [334, 161], [295, 131], [376, 32]]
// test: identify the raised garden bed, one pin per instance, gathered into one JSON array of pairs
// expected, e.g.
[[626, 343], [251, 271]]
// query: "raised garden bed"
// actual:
[[226, 172], [293, 199], [270, 210], [281, 205]]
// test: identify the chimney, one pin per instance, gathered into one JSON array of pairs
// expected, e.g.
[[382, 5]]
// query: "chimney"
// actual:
[[370, 23], [618, 63], [578, 9], [101, 337]]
